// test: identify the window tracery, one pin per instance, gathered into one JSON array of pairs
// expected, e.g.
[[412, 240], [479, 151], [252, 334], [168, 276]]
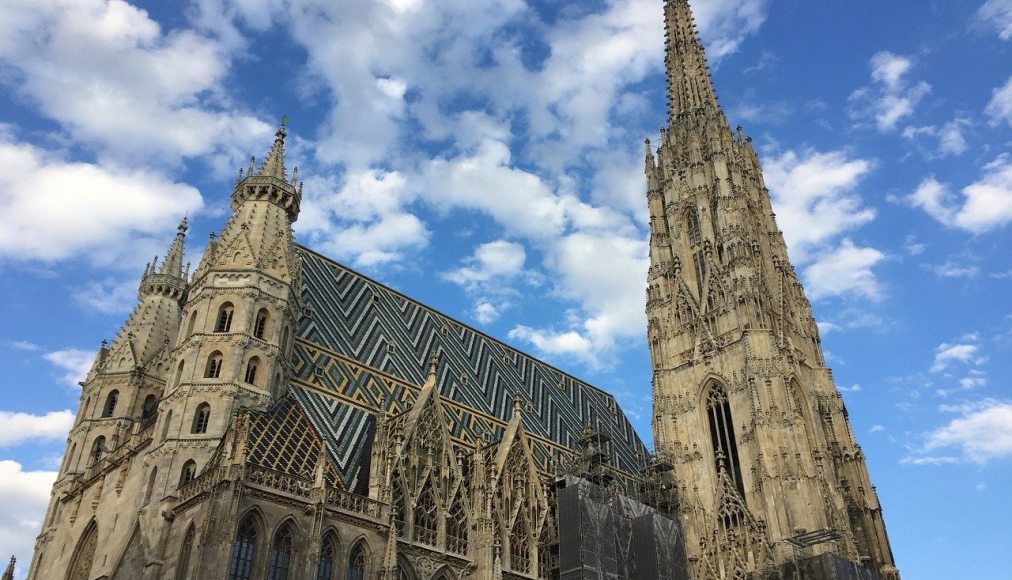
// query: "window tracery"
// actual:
[[224, 320], [356, 563], [183, 564], [243, 550], [84, 554], [281, 553], [328, 555], [722, 437]]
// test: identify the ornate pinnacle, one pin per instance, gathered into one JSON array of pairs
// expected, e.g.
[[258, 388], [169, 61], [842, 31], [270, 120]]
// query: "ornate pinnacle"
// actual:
[[274, 165], [689, 84]]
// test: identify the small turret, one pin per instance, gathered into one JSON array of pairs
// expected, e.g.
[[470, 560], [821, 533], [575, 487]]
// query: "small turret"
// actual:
[[270, 181], [169, 280]]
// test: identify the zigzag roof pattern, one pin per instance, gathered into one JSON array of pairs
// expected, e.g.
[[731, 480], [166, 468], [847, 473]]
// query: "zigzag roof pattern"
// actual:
[[382, 340]]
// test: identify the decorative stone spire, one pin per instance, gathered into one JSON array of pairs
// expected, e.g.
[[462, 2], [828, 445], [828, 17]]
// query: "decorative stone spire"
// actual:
[[689, 83], [9, 572], [274, 165], [270, 182], [169, 280], [173, 264]]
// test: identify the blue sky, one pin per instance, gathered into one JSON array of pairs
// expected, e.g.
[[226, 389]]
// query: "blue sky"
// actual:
[[486, 158]]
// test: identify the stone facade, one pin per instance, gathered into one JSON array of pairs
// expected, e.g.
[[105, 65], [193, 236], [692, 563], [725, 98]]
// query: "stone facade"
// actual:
[[767, 467], [276, 415]]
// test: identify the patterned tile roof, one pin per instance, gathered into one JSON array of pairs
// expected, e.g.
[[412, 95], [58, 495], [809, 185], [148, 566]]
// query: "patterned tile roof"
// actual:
[[364, 346]]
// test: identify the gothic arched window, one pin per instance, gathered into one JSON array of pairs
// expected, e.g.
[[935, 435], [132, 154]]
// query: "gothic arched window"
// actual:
[[214, 361], [188, 472], [260, 327], [456, 528], [725, 446], [179, 371], [243, 550], [149, 409], [201, 418], [191, 324], [150, 489], [356, 563], [692, 227], [281, 553], [110, 403], [224, 320], [328, 555], [183, 563], [520, 548], [165, 425], [84, 554], [251, 370], [98, 449], [426, 516]]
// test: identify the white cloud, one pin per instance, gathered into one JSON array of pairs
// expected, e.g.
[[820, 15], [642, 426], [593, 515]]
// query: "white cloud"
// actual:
[[876, 428], [947, 353], [17, 428], [74, 362], [846, 269], [112, 77], [724, 24], [499, 260], [981, 434], [52, 209], [998, 15], [107, 296], [985, 204], [26, 495], [813, 196], [891, 97], [950, 137], [24, 345], [953, 270], [999, 108]]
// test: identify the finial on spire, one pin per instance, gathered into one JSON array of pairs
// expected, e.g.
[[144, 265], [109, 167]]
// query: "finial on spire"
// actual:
[[433, 364], [173, 265], [517, 406], [274, 165]]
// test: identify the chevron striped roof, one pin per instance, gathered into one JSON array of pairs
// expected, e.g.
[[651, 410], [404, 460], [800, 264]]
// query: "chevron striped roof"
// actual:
[[364, 347]]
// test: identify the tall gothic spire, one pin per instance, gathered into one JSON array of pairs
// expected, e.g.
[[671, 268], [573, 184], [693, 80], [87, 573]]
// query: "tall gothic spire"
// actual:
[[274, 165], [689, 83], [173, 264]]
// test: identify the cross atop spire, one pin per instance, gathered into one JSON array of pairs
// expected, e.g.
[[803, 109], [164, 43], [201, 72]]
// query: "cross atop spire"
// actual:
[[274, 165], [689, 83]]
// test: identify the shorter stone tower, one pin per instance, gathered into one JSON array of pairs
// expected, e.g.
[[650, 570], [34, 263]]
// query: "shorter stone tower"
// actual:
[[119, 407]]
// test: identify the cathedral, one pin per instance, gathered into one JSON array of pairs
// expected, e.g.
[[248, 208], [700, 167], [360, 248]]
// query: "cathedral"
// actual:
[[275, 415]]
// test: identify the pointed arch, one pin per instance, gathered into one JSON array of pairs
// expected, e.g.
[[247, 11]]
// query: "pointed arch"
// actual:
[[444, 573], [520, 546], [692, 230], [358, 561], [149, 489], [190, 325], [201, 418], [329, 550], [260, 324], [165, 425], [84, 554], [456, 526], [405, 571], [223, 322], [252, 366], [97, 449], [188, 472], [214, 362], [426, 512], [179, 372], [722, 436], [282, 552], [183, 563], [110, 403], [244, 548], [149, 409]]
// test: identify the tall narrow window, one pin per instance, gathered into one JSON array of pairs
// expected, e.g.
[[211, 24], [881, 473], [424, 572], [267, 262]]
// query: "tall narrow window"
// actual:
[[456, 528], [224, 321], [356, 563], [179, 371], [201, 418], [260, 327], [281, 554], [285, 337], [251, 370], [149, 409], [426, 516], [214, 361], [725, 447], [188, 472], [520, 548], [183, 563], [110, 404], [692, 227], [98, 449], [328, 554], [191, 324], [243, 549], [166, 424], [150, 489], [699, 265], [84, 554]]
